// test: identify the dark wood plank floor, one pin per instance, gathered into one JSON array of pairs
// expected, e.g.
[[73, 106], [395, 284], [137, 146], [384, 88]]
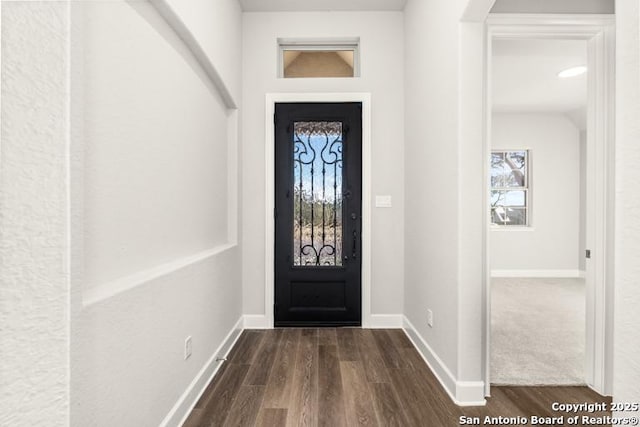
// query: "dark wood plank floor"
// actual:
[[350, 377]]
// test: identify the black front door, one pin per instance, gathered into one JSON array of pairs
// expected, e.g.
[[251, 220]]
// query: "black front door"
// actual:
[[318, 200]]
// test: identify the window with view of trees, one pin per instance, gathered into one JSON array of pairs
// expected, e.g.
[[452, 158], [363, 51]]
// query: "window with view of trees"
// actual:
[[510, 188]]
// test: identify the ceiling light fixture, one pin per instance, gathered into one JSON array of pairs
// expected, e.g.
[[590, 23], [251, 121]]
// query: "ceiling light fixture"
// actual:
[[572, 72]]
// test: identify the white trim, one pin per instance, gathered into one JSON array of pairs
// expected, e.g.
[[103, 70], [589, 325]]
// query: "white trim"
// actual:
[[187, 401], [462, 393], [470, 393], [600, 231], [561, 23], [386, 321], [512, 228], [256, 321], [70, 208], [477, 10], [104, 291], [473, 236], [485, 66], [598, 31], [537, 273], [319, 43], [270, 100]]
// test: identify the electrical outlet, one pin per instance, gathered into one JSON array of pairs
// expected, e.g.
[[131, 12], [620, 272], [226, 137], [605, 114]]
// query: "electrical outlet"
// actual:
[[187, 348], [430, 318]]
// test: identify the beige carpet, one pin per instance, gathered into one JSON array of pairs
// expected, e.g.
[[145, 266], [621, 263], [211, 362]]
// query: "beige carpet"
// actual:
[[537, 331]]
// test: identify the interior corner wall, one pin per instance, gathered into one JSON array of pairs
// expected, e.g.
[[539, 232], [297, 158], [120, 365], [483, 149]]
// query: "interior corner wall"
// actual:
[[431, 175], [626, 381], [155, 253], [34, 230], [551, 242], [381, 63]]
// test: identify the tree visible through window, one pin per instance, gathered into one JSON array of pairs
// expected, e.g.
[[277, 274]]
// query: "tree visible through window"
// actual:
[[510, 188]]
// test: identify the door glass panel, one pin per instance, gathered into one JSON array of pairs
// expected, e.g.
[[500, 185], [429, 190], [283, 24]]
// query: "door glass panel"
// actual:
[[317, 191]]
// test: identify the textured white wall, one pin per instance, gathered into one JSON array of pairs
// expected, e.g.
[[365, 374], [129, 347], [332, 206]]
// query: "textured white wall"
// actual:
[[381, 74], [34, 277], [552, 240], [553, 6], [158, 261], [626, 384]]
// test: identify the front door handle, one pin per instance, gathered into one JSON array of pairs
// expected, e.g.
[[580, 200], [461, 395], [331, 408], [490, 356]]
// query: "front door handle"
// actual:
[[353, 249]]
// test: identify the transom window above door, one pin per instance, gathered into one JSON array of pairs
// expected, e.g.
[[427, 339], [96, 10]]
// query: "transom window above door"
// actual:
[[510, 204], [318, 57]]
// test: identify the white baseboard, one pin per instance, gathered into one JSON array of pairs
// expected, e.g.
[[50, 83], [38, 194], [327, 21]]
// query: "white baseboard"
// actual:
[[185, 404], [391, 321], [463, 393], [255, 321], [560, 274], [387, 321]]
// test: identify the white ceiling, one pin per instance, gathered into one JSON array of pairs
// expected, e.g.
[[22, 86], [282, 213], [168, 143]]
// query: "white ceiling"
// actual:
[[524, 76], [319, 5]]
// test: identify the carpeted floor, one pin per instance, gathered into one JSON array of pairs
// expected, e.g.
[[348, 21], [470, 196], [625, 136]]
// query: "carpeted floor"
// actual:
[[537, 331]]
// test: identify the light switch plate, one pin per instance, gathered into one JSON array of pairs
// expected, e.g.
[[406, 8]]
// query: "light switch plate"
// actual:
[[383, 201]]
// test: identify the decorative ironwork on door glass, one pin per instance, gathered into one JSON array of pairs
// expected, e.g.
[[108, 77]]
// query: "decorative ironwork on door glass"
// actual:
[[317, 190]]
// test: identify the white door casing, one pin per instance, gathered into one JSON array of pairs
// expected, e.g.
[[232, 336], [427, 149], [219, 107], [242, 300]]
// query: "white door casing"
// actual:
[[598, 32]]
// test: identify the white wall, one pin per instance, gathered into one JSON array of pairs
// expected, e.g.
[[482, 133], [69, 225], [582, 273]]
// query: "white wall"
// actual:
[[552, 240], [34, 274], [431, 151], [443, 183], [553, 6], [156, 147], [626, 383], [155, 241], [382, 75]]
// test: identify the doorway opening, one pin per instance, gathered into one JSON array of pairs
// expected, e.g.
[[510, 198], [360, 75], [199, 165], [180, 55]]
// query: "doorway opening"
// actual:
[[539, 177], [538, 207]]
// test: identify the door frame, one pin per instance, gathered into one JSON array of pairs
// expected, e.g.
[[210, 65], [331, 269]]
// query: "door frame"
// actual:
[[599, 32], [271, 99]]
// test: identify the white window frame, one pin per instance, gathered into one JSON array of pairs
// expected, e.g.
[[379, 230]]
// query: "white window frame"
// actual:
[[526, 189], [319, 44]]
